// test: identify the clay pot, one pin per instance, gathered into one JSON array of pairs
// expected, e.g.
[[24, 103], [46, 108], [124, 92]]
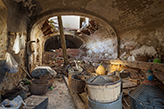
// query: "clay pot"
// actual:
[[39, 86]]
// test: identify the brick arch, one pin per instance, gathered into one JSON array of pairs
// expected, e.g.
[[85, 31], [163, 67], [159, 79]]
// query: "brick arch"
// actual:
[[84, 13], [69, 37]]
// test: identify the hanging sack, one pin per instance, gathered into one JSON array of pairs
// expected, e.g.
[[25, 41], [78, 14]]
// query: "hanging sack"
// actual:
[[22, 41], [11, 65], [16, 46]]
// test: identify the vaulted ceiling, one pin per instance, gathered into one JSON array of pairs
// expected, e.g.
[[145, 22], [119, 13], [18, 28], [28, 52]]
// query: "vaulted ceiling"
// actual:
[[120, 14]]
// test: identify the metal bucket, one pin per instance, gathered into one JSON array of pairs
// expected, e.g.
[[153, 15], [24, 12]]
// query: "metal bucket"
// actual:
[[39, 87], [105, 92], [50, 79], [113, 105]]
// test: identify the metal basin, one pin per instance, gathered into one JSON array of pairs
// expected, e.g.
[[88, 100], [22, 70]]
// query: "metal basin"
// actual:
[[113, 105], [39, 86]]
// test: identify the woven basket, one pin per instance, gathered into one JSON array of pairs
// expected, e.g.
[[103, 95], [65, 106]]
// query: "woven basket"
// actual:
[[77, 85]]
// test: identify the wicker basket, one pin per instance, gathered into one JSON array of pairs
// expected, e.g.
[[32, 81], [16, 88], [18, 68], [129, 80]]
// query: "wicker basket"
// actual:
[[77, 85]]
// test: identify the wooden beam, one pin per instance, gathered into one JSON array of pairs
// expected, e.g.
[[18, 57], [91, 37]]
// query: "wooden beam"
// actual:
[[62, 39], [135, 64], [78, 102], [14, 33], [139, 64]]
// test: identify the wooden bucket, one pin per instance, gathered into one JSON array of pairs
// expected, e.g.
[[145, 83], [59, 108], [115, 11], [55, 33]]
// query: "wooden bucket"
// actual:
[[104, 92]]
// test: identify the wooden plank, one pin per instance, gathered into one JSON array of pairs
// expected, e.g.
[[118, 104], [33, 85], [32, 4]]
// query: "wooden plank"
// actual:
[[83, 96], [62, 39], [138, 64], [135, 64], [14, 33], [79, 104]]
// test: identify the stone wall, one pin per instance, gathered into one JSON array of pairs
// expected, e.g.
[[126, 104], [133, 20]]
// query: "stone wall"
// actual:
[[10, 80], [3, 33], [150, 36], [36, 34], [11, 21], [101, 44]]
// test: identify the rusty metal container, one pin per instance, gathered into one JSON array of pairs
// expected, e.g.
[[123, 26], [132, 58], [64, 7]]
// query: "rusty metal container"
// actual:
[[39, 86]]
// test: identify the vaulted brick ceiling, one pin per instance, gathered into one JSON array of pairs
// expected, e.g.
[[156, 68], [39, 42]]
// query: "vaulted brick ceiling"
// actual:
[[120, 14]]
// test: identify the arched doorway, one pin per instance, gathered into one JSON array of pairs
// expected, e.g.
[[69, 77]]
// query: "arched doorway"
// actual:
[[105, 40], [54, 43]]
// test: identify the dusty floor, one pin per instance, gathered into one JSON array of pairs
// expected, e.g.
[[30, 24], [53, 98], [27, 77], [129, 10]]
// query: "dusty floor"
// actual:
[[59, 96]]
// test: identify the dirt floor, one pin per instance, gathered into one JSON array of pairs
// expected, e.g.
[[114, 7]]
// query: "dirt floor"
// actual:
[[59, 97]]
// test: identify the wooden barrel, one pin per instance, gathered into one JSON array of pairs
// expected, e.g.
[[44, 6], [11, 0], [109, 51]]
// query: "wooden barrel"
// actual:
[[104, 88]]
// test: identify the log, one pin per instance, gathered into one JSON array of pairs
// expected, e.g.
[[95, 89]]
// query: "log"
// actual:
[[83, 96], [78, 103], [62, 39]]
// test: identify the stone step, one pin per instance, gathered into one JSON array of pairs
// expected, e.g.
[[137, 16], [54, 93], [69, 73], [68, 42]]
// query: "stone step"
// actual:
[[36, 102]]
